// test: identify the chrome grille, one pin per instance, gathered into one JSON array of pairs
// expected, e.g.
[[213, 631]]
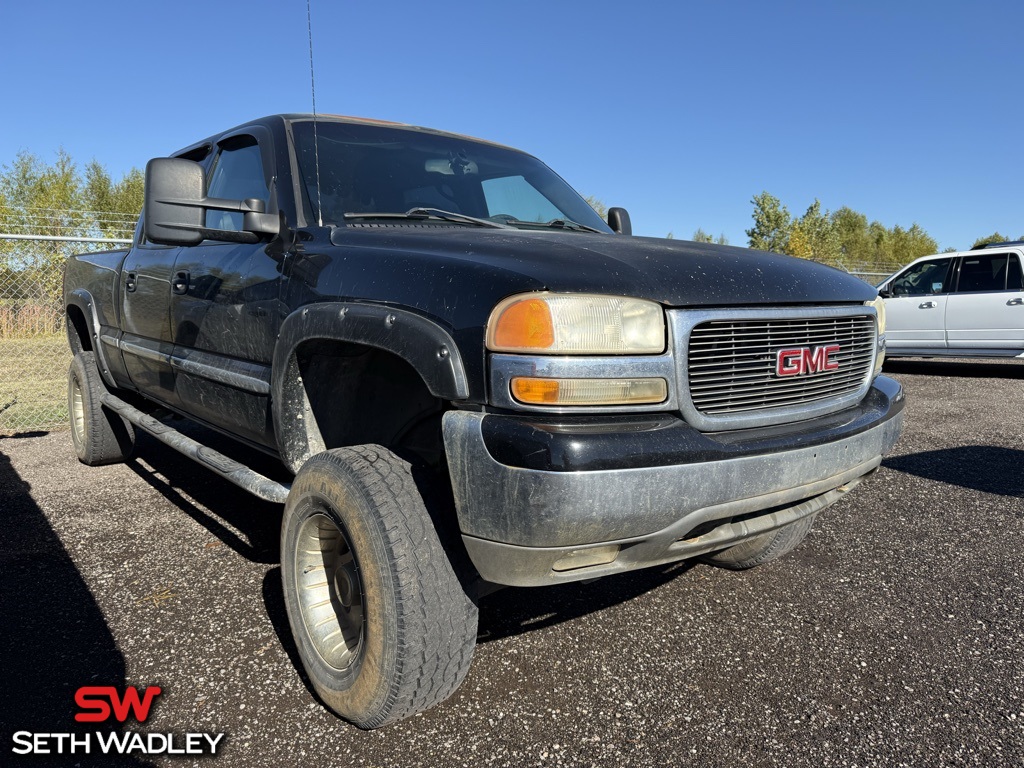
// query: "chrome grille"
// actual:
[[731, 365]]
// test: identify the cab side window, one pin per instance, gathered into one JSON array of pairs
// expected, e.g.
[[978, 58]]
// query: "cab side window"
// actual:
[[983, 273], [1014, 276], [237, 175], [928, 277]]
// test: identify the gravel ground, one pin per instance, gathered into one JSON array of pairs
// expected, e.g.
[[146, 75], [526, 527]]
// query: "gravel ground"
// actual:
[[891, 637]]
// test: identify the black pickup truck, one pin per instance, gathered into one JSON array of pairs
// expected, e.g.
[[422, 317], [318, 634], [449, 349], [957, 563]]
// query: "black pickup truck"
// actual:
[[473, 378]]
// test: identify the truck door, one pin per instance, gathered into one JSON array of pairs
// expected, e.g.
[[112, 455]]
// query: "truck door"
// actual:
[[917, 304], [146, 342], [224, 306], [987, 309]]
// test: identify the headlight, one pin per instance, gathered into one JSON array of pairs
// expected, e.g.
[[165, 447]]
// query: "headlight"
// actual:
[[564, 324], [879, 305]]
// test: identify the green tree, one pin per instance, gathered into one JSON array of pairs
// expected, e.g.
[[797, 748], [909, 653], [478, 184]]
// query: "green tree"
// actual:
[[772, 224], [843, 238], [700, 236], [910, 244], [880, 250], [56, 199], [995, 237], [597, 205], [117, 204], [40, 198], [799, 244], [853, 235], [814, 236]]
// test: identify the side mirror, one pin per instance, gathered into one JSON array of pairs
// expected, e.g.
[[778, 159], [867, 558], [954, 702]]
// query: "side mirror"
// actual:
[[174, 211], [618, 220], [884, 293]]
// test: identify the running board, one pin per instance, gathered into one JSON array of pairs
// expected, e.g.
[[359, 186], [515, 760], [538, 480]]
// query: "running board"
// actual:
[[229, 469]]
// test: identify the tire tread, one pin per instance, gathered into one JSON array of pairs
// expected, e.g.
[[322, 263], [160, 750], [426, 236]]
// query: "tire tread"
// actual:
[[109, 439], [436, 620]]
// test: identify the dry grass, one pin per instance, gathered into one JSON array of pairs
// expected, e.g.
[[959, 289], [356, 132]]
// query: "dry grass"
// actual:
[[29, 321], [33, 376]]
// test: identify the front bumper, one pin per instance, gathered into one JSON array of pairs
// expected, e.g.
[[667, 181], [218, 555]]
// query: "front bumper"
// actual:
[[648, 491]]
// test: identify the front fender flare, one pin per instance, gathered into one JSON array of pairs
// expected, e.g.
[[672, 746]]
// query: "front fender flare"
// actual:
[[421, 342]]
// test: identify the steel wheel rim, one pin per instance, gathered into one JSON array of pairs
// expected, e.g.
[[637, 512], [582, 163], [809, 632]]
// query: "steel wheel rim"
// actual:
[[329, 591], [77, 408]]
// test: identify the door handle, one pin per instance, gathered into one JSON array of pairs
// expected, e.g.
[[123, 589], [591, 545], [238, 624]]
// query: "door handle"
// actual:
[[1015, 302], [131, 282], [927, 305], [179, 284]]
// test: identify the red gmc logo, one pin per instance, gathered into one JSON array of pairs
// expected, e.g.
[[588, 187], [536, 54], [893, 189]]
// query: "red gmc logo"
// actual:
[[800, 360]]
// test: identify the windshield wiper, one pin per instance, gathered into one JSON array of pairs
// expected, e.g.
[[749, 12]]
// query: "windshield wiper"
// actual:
[[570, 224], [431, 213], [573, 226]]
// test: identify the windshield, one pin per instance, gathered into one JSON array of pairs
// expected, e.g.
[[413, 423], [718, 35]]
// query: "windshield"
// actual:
[[372, 169]]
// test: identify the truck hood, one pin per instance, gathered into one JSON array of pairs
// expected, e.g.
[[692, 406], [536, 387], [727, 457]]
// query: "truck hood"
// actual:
[[673, 272]]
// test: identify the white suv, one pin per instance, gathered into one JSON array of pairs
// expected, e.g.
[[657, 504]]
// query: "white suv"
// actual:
[[960, 304]]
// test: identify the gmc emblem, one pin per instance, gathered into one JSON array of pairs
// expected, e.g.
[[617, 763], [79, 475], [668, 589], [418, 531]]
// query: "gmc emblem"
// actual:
[[800, 360]]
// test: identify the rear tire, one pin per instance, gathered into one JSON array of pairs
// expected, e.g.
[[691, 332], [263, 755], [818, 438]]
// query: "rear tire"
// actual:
[[100, 436], [383, 626], [764, 548]]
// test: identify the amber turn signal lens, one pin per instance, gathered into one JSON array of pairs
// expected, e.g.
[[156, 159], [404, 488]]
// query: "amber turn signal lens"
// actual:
[[525, 325], [589, 391], [537, 391]]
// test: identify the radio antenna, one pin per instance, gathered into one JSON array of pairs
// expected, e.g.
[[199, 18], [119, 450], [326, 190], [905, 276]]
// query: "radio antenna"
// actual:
[[316, 142]]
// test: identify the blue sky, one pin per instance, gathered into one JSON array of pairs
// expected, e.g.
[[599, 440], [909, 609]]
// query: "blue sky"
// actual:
[[680, 112]]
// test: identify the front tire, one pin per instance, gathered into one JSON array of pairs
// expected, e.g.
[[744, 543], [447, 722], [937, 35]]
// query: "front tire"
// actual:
[[383, 626], [100, 436], [762, 549]]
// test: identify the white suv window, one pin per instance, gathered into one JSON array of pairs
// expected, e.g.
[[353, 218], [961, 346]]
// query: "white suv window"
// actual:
[[928, 277], [984, 272]]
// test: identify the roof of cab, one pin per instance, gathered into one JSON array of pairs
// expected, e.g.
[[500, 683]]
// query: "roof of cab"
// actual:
[[295, 117]]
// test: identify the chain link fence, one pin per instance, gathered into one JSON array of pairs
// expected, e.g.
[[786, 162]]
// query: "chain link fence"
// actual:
[[869, 272], [34, 353], [873, 278]]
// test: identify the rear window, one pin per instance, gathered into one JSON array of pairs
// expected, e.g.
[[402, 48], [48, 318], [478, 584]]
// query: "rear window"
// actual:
[[983, 273]]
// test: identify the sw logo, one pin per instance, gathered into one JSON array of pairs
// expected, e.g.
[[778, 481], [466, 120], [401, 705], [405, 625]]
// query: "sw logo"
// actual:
[[98, 702], [798, 361]]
